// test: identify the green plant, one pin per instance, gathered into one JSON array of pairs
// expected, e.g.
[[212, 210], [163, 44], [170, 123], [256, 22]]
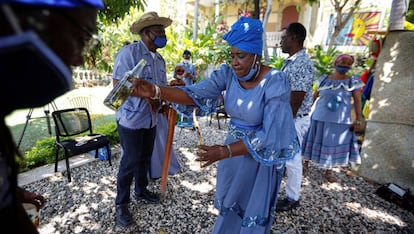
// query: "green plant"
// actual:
[[207, 48], [110, 130], [323, 60], [276, 62], [43, 151]]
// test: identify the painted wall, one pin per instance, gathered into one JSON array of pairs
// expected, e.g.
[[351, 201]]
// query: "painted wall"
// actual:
[[316, 18]]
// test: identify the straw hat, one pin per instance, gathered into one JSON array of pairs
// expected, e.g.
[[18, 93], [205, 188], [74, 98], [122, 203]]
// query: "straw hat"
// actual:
[[149, 19]]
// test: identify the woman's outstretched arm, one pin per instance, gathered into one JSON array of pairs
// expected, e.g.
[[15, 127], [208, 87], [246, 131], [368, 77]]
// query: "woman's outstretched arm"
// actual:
[[146, 89]]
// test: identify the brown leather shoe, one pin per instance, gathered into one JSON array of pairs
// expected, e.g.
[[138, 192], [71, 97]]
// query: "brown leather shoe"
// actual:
[[305, 167], [330, 177]]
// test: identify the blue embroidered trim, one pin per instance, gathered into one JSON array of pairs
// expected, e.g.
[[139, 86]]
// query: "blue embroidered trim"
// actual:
[[249, 222], [265, 156], [204, 106], [351, 84], [271, 157]]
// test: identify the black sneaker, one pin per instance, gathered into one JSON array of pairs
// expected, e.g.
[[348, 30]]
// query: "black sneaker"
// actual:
[[148, 196], [123, 216], [286, 205]]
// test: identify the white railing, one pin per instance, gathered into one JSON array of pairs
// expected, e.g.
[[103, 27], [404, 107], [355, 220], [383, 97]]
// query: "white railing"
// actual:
[[89, 78], [273, 39]]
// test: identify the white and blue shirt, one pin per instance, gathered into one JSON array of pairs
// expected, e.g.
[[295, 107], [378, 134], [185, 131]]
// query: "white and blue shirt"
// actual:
[[300, 72]]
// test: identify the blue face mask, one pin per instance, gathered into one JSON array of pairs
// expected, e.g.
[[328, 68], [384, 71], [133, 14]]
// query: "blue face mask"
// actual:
[[251, 73], [22, 57], [342, 69], [160, 42]]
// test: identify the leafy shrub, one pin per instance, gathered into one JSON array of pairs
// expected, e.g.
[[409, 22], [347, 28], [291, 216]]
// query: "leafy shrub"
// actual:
[[110, 130], [276, 62], [42, 153], [323, 60]]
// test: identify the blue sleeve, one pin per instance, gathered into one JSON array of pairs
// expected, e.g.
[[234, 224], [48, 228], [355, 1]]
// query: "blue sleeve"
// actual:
[[193, 71], [275, 141], [320, 80], [124, 61], [206, 92]]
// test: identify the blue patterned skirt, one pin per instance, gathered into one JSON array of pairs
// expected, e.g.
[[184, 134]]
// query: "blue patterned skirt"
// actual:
[[330, 144]]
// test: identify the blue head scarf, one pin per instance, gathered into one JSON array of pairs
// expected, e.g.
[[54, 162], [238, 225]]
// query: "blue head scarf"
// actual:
[[247, 35]]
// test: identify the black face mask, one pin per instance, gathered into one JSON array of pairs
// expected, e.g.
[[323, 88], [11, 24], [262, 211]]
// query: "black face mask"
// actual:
[[32, 75]]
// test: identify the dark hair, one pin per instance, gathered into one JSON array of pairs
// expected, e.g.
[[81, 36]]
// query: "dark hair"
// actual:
[[298, 30], [8, 154], [187, 52]]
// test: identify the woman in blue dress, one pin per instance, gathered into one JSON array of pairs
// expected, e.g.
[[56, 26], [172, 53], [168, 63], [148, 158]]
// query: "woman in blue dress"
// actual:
[[331, 140], [261, 134]]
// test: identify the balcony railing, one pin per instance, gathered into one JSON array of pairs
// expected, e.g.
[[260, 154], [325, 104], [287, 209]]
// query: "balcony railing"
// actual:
[[88, 78], [273, 39]]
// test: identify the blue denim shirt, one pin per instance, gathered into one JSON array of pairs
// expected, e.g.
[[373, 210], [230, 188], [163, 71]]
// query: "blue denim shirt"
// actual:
[[136, 113]]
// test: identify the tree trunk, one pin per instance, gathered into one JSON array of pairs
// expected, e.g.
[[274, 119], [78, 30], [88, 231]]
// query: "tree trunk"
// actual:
[[256, 14], [195, 24], [398, 13], [265, 20], [340, 24]]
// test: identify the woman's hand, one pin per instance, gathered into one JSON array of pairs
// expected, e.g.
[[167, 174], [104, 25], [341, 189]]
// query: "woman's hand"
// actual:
[[33, 198], [211, 154], [357, 126], [164, 110], [154, 103], [143, 88]]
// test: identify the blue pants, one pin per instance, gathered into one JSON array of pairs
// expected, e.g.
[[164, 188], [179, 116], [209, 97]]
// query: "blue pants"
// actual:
[[137, 146]]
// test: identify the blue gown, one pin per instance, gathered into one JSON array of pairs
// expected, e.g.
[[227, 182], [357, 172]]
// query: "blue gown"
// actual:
[[247, 185], [157, 158]]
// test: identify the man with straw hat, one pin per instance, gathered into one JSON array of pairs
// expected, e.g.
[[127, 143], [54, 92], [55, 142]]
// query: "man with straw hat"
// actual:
[[137, 117]]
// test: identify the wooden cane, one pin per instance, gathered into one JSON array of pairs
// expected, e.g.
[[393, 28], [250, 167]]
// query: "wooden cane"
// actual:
[[172, 114]]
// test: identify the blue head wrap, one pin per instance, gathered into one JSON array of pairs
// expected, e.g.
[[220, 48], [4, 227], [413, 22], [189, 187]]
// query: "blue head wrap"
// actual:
[[247, 35], [60, 3]]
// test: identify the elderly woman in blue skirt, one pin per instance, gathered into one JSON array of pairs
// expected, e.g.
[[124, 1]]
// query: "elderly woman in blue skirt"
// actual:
[[261, 134], [331, 140]]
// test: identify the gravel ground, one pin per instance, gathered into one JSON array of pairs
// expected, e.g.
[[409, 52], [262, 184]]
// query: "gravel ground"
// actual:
[[86, 205]]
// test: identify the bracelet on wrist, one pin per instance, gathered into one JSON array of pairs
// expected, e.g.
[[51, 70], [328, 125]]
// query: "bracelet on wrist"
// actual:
[[157, 92], [357, 122], [230, 152]]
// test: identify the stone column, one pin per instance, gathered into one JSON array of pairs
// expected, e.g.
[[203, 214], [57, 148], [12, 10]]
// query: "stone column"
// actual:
[[388, 148]]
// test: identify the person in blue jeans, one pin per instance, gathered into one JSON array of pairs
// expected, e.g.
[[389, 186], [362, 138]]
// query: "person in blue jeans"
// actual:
[[137, 117]]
